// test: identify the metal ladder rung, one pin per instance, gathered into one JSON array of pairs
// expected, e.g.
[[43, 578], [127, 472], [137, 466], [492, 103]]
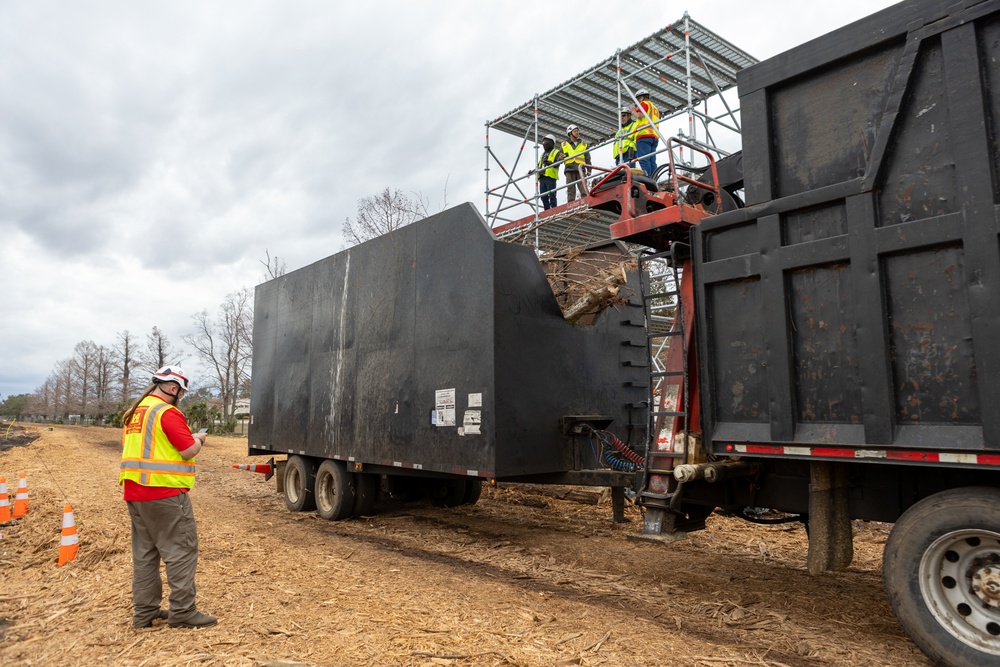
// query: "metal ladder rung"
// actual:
[[668, 414], [666, 374], [664, 334]]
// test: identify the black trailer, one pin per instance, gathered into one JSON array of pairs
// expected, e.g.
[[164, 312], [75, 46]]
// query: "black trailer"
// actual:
[[848, 318], [438, 353]]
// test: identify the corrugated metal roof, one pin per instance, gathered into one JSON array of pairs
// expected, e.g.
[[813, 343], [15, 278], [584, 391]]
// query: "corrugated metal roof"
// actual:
[[658, 63], [571, 229]]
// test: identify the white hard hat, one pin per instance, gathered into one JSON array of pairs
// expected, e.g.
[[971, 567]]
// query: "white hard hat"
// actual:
[[626, 110], [171, 374], [549, 137], [642, 92], [570, 128]]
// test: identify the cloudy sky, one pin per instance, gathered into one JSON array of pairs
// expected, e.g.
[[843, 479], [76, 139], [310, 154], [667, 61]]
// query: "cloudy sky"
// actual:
[[152, 152]]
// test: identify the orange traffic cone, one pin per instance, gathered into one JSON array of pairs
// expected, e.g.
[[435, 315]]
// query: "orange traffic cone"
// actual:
[[69, 544], [253, 467], [4, 502], [266, 469], [21, 499]]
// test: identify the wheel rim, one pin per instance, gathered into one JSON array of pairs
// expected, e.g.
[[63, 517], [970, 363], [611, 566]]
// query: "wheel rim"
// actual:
[[324, 492], [960, 580], [293, 484]]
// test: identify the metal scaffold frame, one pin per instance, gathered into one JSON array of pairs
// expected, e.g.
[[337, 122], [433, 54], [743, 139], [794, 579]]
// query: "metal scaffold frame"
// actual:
[[684, 65]]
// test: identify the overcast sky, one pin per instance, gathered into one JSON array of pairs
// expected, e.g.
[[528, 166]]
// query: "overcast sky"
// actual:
[[151, 152]]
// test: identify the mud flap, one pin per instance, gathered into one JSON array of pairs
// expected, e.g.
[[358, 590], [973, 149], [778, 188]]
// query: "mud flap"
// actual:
[[831, 542]]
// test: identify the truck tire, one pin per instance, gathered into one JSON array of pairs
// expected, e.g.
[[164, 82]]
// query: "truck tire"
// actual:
[[941, 570], [300, 479], [365, 493], [334, 491]]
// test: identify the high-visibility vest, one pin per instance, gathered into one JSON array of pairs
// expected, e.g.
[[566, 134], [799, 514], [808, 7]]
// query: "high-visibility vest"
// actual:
[[148, 458], [624, 142], [642, 128], [574, 155], [548, 172]]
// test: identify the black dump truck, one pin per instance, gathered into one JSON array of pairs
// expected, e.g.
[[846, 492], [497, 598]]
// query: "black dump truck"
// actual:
[[841, 360]]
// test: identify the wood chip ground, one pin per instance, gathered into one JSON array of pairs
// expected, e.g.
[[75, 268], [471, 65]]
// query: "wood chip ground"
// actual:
[[518, 579]]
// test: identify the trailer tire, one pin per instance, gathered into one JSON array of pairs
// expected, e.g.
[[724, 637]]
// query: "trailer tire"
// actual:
[[941, 571], [473, 489], [448, 493], [334, 491], [365, 493], [300, 479]]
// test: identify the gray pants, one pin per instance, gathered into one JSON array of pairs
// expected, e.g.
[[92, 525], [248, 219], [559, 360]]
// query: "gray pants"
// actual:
[[572, 184], [163, 529]]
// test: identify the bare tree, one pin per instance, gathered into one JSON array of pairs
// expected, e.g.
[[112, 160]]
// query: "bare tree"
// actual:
[[275, 267], [83, 362], [104, 362], [63, 378], [127, 357], [225, 344], [41, 401], [382, 213], [159, 352]]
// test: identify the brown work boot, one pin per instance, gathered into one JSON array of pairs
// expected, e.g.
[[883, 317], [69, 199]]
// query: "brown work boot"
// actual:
[[195, 620]]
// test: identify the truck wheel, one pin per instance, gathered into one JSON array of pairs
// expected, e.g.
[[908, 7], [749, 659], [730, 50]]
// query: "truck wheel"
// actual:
[[334, 491], [473, 489], [365, 493], [300, 476], [941, 571]]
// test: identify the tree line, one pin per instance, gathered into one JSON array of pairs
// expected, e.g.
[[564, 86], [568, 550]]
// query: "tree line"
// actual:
[[99, 381]]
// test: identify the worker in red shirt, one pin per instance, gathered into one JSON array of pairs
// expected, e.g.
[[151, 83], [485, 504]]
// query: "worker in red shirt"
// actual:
[[157, 470], [646, 139]]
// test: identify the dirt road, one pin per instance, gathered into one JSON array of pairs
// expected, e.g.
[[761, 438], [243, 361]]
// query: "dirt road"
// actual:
[[518, 579]]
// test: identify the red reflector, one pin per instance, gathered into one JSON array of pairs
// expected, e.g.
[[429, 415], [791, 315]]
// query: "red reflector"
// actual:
[[764, 449], [830, 451]]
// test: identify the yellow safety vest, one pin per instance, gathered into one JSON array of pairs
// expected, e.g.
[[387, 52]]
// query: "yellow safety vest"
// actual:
[[148, 458], [548, 172], [574, 156], [624, 142], [641, 122]]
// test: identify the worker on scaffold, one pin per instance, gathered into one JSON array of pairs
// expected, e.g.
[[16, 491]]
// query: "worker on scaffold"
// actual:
[[546, 174], [646, 140], [623, 150], [577, 162]]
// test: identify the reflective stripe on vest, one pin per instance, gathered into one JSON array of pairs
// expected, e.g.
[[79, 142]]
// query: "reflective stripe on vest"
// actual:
[[574, 156], [642, 128], [148, 457], [548, 172], [623, 140]]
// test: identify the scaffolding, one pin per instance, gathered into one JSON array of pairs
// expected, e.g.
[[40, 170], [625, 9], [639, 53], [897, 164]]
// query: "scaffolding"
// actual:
[[683, 66]]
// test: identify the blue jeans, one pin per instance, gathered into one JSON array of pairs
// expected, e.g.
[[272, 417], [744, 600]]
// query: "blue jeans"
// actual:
[[647, 146], [547, 187]]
